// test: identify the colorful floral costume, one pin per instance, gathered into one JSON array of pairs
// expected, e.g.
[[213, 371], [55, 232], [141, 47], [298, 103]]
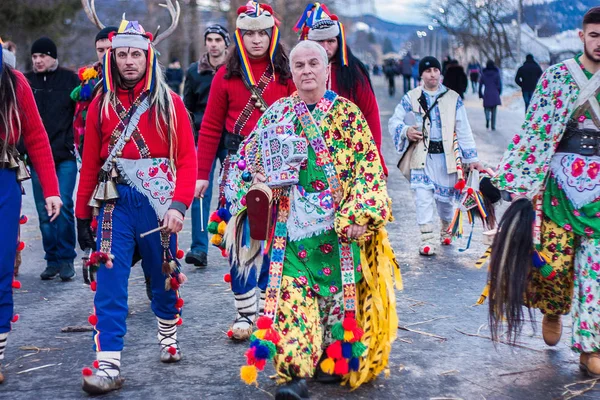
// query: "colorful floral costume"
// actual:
[[565, 189], [317, 278]]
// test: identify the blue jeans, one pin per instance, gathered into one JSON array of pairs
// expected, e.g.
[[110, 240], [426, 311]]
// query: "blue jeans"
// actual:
[[58, 237], [10, 208], [199, 238], [527, 98]]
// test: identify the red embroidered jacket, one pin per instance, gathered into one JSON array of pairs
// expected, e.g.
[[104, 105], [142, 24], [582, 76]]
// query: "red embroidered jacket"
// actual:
[[227, 99], [367, 103], [35, 137], [99, 129]]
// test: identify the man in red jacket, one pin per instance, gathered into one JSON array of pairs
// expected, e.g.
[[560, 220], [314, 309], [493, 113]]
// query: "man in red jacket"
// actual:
[[20, 117], [256, 74], [348, 76], [138, 135]]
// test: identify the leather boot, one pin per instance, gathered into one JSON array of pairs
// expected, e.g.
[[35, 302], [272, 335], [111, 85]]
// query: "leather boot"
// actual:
[[590, 364], [296, 389], [95, 384], [322, 376], [551, 329]]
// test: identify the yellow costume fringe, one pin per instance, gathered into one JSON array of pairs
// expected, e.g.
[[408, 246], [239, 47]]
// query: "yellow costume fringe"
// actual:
[[376, 311]]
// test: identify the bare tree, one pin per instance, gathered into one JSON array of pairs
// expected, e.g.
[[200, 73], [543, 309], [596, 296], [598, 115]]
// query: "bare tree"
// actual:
[[479, 24]]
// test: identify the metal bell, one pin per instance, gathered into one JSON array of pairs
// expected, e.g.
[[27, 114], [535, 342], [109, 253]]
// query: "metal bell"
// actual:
[[258, 104], [94, 203], [114, 173], [253, 97], [110, 191], [263, 109], [22, 172], [99, 192]]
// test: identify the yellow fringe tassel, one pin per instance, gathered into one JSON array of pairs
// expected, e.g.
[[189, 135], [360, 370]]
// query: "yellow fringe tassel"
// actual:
[[484, 294], [376, 310]]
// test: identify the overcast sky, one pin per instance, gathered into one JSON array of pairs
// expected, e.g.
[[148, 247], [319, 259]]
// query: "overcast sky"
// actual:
[[402, 11]]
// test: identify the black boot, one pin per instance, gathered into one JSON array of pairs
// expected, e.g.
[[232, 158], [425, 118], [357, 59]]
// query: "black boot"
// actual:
[[324, 377], [296, 389]]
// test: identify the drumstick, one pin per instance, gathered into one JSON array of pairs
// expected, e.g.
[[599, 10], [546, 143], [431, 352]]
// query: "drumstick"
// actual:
[[152, 231], [201, 214]]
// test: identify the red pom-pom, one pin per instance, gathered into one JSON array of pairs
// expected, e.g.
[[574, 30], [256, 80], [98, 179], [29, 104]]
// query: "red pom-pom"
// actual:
[[229, 333], [149, 35], [172, 350], [460, 185], [16, 285], [20, 246], [272, 336], [358, 334], [179, 322], [174, 283], [215, 218], [15, 318], [227, 278], [111, 35], [23, 219], [264, 322], [96, 364], [180, 254], [250, 358], [349, 324], [179, 303], [80, 73], [447, 241], [426, 249], [93, 286], [551, 276], [93, 319], [94, 224], [470, 191], [260, 364], [87, 371], [341, 367], [334, 17], [224, 253], [334, 350]]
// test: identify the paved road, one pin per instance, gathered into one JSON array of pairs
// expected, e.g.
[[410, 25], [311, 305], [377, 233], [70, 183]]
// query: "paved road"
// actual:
[[438, 300]]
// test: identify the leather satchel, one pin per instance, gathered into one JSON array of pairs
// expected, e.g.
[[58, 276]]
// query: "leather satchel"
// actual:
[[404, 163], [258, 206]]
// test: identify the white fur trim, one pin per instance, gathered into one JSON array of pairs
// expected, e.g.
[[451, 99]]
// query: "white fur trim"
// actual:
[[261, 23], [324, 33], [127, 40]]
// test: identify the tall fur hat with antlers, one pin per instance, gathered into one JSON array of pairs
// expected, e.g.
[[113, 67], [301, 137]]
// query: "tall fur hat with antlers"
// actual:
[[131, 34]]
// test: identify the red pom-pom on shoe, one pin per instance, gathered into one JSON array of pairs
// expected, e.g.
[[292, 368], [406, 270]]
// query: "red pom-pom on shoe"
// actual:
[[179, 254], [227, 278], [87, 371], [94, 286], [349, 324], [16, 285], [20, 246], [447, 241], [96, 364], [172, 350], [470, 191], [426, 249], [230, 333], [15, 318], [264, 322], [93, 319], [224, 253], [179, 322], [179, 303], [23, 219]]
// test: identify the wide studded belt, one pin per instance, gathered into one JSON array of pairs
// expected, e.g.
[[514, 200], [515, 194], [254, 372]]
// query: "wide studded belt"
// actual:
[[580, 141], [436, 147]]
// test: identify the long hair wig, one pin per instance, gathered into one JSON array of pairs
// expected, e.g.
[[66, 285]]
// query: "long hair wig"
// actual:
[[281, 65], [352, 76], [510, 266], [10, 121]]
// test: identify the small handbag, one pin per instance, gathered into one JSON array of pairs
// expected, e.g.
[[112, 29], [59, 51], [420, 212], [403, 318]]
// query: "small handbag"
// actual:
[[258, 206]]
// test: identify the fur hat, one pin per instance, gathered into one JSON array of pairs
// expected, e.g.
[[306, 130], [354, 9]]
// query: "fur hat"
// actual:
[[255, 17]]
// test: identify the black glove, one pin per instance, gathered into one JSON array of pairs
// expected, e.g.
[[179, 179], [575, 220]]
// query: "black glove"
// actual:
[[85, 237]]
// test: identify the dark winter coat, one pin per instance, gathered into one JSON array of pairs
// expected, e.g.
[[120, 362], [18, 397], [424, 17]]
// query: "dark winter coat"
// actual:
[[456, 79], [198, 79], [174, 77], [528, 75], [490, 87], [407, 64], [52, 91]]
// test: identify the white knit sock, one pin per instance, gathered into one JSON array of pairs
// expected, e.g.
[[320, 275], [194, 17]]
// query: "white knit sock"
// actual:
[[109, 363], [167, 333], [3, 341], [261, 302], [246, 308]]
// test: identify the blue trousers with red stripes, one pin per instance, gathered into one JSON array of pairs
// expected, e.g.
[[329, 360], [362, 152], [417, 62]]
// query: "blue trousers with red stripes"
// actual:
[[10, 208], [132, 216]]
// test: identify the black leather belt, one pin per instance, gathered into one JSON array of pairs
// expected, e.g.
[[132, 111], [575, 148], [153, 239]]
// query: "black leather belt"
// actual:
[[580, 141], [436, 147], [231, 141]]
